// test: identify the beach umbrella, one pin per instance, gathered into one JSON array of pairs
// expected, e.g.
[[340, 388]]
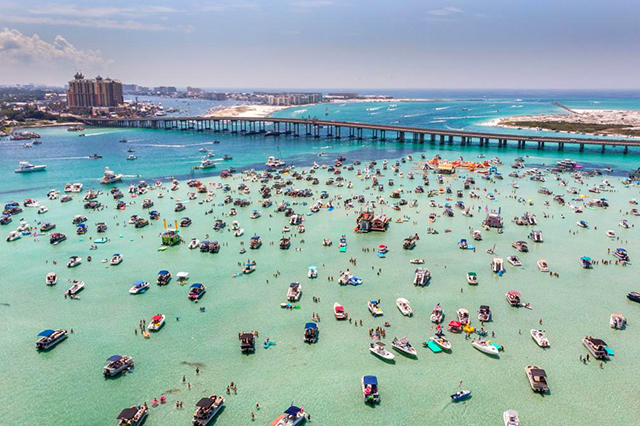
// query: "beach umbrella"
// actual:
[[156, 317]]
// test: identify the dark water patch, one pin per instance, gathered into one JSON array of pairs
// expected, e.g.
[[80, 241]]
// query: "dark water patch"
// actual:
[[193, 364]]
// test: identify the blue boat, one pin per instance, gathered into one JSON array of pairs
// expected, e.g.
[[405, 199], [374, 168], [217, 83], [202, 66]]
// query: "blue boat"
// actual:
[[370, 389], [311, 332], [197, 291], [460, 395], [164, 277]]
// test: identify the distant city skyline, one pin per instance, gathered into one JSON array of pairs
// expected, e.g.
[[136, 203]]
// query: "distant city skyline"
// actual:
[[316, 44]]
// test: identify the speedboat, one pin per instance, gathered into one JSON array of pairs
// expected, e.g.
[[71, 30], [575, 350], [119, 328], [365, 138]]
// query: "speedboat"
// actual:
[[25, 167], [238, 232], [51, 278], [76, 288], [207, 410], [513, 298], [521, 246], [157, 321], [196, 291], [339, 312], [624, 223], [404, 307], [484, 346], [139, 287], [43, 209], [611, 234], [294, 292], [634, 296], [437, 314], [582, 224], [117, 364], [49, 338], [194, 244], [380, 349], [472, 278], [133, 416], [621, 254], [463, 316], [597, 347], [374, 308], [311, 332], [313, 272], [617, 321], [540, 338], [514, 260], [460, 395], [370, 389], [441, 341], [402, 345], [537, 378], [164, 276], [116, 259], [511, 418], [74, 261], [543, 265], [255, 242], [586, 262], [13, 236], [206, 164], [484, 313]]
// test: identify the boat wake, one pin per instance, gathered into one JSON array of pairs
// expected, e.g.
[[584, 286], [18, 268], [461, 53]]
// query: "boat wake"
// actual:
[[374, 109], [442, 108], [413, 115]]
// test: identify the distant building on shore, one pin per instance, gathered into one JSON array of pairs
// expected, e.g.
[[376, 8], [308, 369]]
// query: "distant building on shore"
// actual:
[[164, 90], [99, 92], [286, 99], [343, 95]]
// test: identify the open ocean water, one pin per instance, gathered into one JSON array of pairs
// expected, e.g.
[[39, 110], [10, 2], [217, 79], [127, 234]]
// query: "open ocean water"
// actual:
[[65, 385]]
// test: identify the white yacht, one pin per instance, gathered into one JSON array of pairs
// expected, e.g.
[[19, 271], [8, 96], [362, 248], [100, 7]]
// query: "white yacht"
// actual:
[[537, 378], [110, 176], [374, 308], [139, 287], [51, 278], [543, 265], [379, 349], [404, 307], [540, 338], [497, 265], [463, 315], [511, 418], [437, 314], [25, 167], [442, 342], [484, 346], [133, 416], [76, 288], [274, 162], [207, 164], [116, 259], [403, 345]]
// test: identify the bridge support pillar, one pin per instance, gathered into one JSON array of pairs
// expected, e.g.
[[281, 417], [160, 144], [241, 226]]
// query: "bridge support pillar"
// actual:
[[581, 147], [450, 139], [351, 133], [432, 138], [603, 145], [421, 137], [337, 132], [400, 136], [374, 134], [441, 139], [626, 149], [560, 146], [359, 133], [383, 135]]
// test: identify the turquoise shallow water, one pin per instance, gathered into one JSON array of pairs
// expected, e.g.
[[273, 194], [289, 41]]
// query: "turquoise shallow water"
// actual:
[[65, 386]]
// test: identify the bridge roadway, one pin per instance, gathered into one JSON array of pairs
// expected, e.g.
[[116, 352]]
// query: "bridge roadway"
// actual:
[[333, 129]]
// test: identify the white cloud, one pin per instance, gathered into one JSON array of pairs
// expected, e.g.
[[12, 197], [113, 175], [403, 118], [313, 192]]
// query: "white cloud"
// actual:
[[445, 11], [99, 12], [309, 5], [87, 23], [226, 5], [17, 48]]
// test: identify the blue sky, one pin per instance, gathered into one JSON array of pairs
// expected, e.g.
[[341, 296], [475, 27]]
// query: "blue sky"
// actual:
[[325, 43]]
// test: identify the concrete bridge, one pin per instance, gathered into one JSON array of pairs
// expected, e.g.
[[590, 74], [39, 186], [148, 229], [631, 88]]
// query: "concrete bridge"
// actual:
[[352, 130]]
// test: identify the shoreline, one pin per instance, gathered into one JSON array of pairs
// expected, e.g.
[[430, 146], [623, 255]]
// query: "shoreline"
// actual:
[[591, 122]]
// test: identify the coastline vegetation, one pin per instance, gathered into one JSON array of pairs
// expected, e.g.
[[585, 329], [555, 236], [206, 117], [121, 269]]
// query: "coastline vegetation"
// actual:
[[573, 127]]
